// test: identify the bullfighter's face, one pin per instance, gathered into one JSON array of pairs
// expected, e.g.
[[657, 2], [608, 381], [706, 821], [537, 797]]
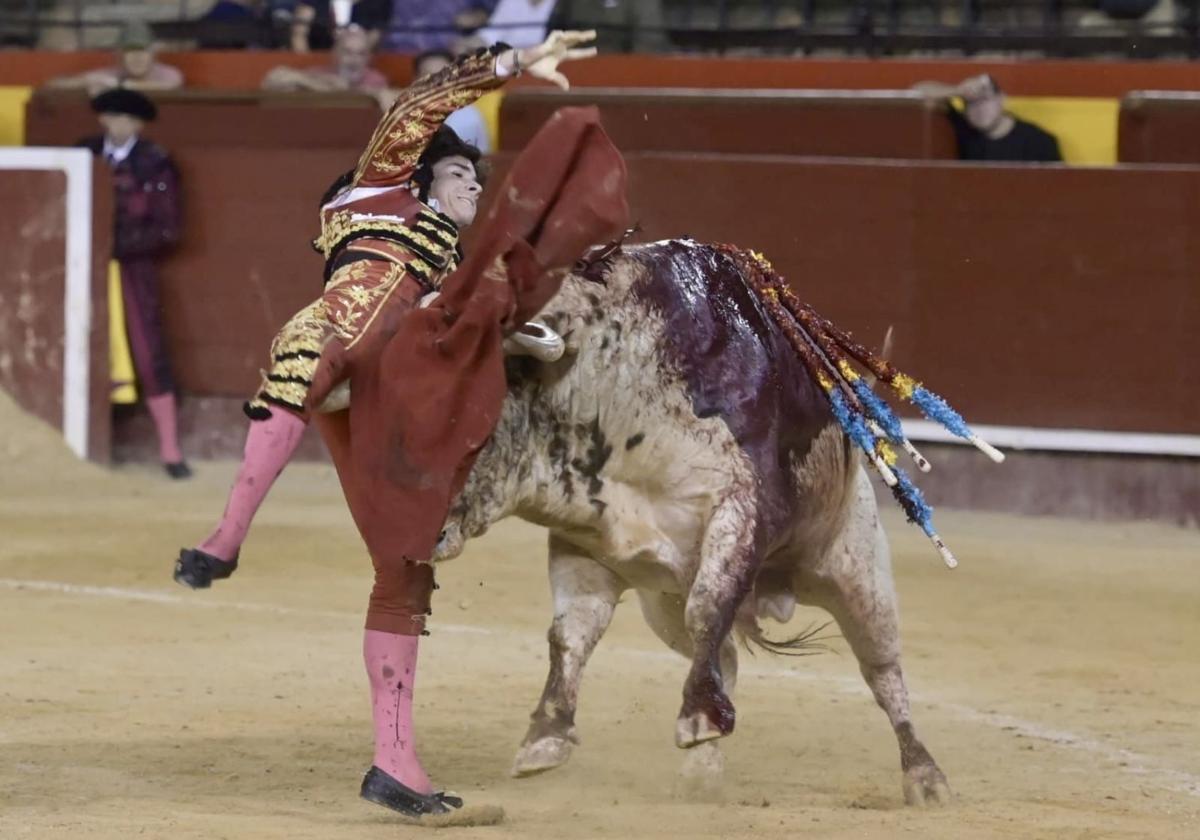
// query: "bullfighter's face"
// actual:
[[456, 189], [120, 127]]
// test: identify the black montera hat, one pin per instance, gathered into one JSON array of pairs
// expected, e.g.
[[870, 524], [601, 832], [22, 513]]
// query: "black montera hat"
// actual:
[[125, 101]]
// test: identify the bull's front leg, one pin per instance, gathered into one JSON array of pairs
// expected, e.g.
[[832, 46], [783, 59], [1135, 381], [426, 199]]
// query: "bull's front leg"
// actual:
[[703, 768], [585, 595], [727, 563]]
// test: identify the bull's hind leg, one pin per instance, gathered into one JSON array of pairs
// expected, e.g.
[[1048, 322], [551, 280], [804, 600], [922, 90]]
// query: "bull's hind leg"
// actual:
[[854, 583], [585, 595], [726, 570]]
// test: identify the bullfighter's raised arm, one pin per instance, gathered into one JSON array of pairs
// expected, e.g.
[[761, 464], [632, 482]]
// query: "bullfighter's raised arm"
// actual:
[[416, 115]]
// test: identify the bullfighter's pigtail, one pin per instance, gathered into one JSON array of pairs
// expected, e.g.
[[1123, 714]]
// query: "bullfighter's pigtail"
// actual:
[[827, 353]]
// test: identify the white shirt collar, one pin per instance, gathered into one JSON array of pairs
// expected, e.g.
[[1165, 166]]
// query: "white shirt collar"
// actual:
[[118, 153]]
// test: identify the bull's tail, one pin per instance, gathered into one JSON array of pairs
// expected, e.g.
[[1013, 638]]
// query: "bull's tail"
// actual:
[[808, 642], [828, 353]]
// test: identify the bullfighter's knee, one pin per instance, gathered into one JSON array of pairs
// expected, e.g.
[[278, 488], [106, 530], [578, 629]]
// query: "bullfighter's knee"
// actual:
[[295, 355], [400, 598]]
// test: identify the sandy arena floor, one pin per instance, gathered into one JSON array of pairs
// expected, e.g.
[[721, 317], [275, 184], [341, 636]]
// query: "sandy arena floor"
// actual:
[[1056, 678]]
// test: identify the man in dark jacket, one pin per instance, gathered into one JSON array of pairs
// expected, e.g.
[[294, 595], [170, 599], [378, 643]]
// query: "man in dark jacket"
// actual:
[[146, 226], [984, 130]]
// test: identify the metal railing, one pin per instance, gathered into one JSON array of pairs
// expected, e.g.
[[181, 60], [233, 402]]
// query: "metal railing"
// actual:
[[871, 27]]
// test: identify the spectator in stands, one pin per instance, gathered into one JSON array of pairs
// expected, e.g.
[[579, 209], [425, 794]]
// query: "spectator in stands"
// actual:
[[1114, 10], [136, 67], [232, 25], [622, 25], [146, 226], [518, 23], [420, 25], [231, 11], [983, 129], [315, 22], [468, 123], [350, 71]]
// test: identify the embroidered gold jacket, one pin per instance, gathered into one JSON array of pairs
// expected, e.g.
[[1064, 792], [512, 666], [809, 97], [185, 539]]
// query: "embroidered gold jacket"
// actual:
[[378, 211]]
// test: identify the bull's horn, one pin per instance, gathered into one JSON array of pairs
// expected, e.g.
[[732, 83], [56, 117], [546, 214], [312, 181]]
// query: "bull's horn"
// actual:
[[537, 340], [338, 398]]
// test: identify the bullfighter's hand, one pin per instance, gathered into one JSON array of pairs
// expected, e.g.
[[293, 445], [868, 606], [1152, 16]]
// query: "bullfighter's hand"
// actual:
[[542, 61]]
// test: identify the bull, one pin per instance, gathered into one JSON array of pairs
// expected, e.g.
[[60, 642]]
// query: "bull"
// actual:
[[677, 446]]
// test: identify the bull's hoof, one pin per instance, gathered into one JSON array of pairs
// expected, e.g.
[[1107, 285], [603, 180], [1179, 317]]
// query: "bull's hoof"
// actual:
[[707, 712], [541, 755], [925, 785], [695, 729], [701, 775]]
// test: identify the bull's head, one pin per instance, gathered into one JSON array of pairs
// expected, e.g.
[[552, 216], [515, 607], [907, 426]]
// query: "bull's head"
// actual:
[[533, 339], [497, 481]]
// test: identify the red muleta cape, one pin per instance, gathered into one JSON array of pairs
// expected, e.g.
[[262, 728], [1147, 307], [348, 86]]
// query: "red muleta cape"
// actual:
[[426, 396]]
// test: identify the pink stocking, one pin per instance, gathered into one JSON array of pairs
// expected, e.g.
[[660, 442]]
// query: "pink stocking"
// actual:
[[162, 410], [270, 444], [391, 661]]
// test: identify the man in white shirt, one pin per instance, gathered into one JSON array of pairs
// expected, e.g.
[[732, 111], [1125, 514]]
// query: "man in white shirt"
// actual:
[[520, 23]]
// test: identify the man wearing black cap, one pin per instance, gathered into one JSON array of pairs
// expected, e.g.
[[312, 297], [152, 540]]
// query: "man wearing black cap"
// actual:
[[146, 226]]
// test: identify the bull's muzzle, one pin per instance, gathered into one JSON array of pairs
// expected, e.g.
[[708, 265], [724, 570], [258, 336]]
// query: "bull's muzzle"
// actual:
[[450, 543]]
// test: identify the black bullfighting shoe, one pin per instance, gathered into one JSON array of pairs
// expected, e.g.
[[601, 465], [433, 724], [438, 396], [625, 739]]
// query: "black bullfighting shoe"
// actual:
[[382, 789], [198, 569], [179, 470]]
